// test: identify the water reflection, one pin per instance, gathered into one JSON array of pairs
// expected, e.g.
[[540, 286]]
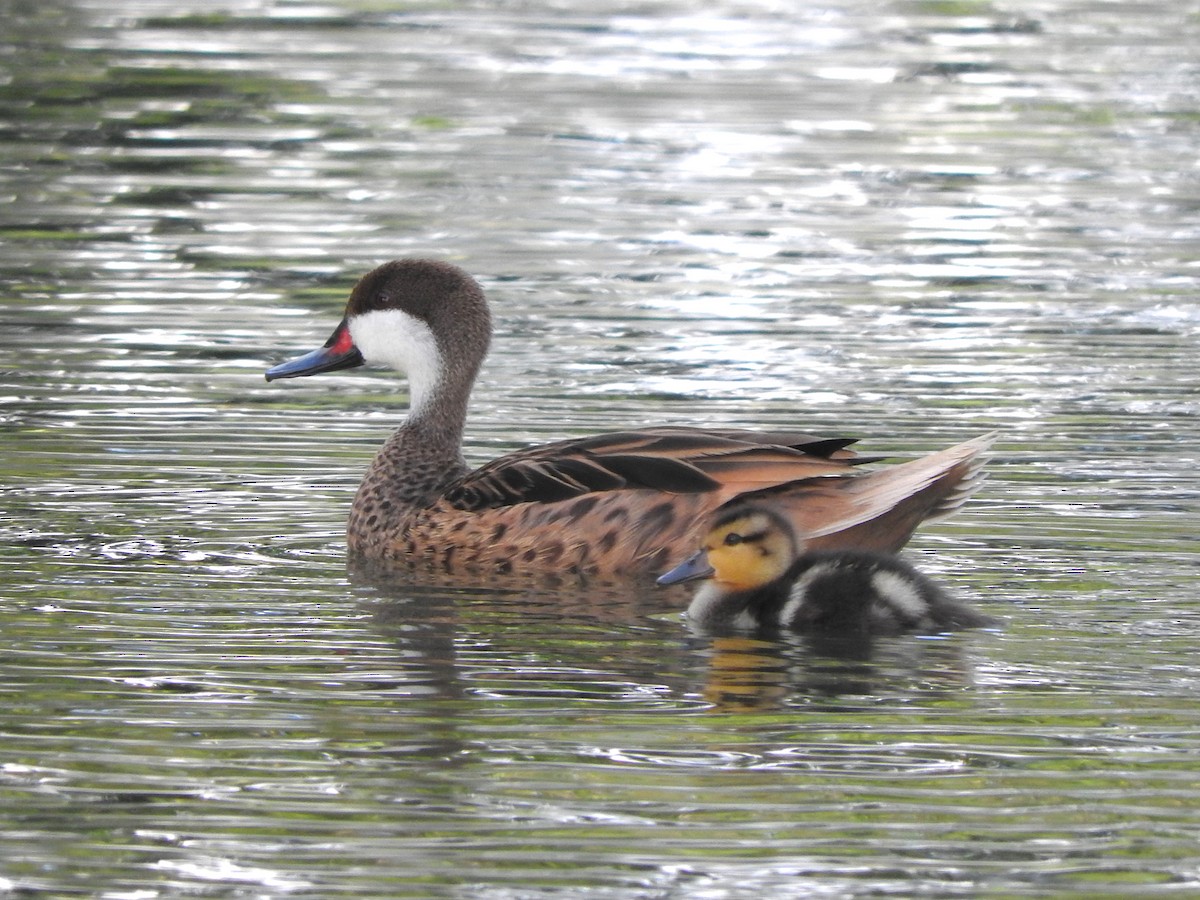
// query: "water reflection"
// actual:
[[523, 630], [832, 673]]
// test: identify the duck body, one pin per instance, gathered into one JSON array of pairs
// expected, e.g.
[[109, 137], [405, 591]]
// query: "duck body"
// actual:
[[617, 504], [757, 577]]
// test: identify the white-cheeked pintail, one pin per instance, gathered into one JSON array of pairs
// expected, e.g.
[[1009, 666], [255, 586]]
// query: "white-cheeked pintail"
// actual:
[[619, 504]]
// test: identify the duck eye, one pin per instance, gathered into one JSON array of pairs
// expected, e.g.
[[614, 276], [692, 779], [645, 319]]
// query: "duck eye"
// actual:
[[732, 539]]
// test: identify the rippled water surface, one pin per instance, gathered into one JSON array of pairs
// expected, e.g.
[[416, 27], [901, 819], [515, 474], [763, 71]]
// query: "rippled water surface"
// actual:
[[912, 222]]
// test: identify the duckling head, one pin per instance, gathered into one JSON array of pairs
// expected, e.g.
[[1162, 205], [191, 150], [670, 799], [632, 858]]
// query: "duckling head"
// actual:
[[746, 548]]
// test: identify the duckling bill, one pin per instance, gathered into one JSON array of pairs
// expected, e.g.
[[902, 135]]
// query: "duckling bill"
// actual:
[[756, 576], [618, 504]]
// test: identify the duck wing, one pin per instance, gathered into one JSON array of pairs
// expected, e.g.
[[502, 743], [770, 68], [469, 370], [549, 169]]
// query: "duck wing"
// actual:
[[673, 460]]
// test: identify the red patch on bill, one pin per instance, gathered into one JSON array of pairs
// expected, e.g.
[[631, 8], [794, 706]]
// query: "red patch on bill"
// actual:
[[341, 342]]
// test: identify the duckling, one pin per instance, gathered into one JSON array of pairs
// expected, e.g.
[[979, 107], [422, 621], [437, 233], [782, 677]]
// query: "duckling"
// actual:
[[757, 576], [616, 504]]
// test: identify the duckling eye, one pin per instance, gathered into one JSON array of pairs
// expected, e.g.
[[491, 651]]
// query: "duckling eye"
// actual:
[[733, 539]]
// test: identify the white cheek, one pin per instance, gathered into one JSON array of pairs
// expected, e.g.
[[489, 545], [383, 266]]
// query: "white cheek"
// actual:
[[393, 338]]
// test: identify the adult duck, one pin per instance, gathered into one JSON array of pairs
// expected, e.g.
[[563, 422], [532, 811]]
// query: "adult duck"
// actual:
[[757, 574], [615, 504]]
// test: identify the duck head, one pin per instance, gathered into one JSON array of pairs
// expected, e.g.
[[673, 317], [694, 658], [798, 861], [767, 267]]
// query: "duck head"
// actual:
[[425, 318], [746, 548]]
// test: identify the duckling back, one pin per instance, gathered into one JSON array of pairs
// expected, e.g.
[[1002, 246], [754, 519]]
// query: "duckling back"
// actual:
[[849, 592]]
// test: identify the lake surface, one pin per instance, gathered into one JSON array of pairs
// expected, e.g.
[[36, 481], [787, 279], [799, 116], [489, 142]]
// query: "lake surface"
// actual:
[[911, 222]]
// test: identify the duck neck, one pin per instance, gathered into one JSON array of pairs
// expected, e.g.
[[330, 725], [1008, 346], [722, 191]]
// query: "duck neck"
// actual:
[[410, 471], [425, 453]]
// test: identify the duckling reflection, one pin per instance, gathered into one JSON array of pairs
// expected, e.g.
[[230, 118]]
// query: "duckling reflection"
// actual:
[[757, 577], [755, 672]]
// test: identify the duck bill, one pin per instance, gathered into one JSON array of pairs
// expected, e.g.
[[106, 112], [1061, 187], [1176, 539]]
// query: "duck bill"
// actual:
[[690, 569], [339, 352]]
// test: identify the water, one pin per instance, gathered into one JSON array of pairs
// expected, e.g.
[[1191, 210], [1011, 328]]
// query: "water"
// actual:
[[914, 223]]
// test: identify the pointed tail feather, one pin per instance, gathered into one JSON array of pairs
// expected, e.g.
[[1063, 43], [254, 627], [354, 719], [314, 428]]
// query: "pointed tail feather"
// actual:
[[881, 510], [972, 479]]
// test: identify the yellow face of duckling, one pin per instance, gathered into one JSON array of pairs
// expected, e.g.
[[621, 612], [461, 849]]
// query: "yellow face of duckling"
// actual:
[[749, 550]]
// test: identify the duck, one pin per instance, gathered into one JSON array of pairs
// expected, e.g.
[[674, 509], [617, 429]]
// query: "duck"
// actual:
[[619, 504], [758, 576]]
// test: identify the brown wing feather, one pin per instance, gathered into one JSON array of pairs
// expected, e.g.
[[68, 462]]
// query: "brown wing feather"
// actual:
[[674, 460]]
